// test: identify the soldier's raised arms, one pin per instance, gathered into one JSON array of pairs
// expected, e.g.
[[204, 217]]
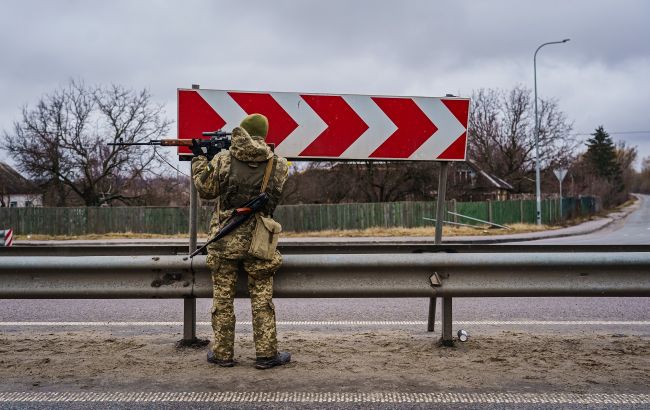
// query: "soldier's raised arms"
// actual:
[[209, 175]]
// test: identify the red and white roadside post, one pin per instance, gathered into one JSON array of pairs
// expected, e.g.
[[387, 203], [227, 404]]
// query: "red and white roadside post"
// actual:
[[331, 127], [7, 237]]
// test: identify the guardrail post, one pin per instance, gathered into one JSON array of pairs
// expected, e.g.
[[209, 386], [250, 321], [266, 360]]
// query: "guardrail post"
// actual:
[[432, 315], [447, 338], [440, 218], [189, 319]]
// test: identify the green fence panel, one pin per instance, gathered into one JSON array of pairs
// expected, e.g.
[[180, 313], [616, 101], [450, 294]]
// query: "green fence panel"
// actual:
[[296, 218], [546, 214], [506, 212], [478, 210]]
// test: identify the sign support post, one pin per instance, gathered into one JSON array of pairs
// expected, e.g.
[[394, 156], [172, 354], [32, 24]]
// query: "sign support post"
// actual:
[[189, 303], [440, 207], [447, 338], [560, 173]]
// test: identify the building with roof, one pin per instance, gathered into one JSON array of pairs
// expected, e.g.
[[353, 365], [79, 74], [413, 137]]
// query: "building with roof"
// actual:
[[17, 191], [475, 184]]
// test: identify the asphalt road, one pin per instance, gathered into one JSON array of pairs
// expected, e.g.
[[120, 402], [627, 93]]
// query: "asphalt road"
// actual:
[[635, 229], [563, 316]]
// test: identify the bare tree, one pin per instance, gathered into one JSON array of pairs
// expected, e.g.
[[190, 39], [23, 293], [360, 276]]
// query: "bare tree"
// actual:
[[62, 140], [502, 134], [169, 190], [642, 179], [363, 181], [625, 158], [387, 181]]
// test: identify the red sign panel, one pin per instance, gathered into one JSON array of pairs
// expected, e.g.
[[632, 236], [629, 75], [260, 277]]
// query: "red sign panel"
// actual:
[[336, 127]]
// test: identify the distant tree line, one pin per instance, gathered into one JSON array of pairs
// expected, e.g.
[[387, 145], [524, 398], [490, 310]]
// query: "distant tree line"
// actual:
[[60, 143]]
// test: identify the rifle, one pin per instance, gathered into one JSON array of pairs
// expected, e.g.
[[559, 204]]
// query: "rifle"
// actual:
[[218, 140], [238, 217]]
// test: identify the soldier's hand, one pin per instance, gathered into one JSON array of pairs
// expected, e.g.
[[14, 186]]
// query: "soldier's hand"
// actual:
[[212, 151], [198, 150]]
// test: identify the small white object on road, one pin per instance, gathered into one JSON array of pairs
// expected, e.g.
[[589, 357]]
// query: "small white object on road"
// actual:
[[462, 335]]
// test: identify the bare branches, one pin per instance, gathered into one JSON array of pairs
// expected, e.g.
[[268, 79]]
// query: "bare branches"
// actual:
[[62, 140], [502, 134], [363, 181]]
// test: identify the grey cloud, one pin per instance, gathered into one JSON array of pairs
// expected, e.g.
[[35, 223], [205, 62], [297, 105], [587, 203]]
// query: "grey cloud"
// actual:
[[374, 47]]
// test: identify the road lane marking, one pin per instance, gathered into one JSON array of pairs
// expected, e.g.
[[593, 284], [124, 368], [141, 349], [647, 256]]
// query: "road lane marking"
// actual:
[[356, 323], [326, 397]]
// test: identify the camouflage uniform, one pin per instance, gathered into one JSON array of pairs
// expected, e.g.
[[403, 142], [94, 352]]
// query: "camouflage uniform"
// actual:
[[228, 255]]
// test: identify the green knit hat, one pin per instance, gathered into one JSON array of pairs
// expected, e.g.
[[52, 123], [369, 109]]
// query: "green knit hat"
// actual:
[[256, 125]]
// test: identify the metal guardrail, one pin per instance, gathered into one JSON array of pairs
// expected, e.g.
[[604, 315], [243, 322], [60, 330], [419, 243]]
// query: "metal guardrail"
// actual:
[[339, 275], [292, 248]]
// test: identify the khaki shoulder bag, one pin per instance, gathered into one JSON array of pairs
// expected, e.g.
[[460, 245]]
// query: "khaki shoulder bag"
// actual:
[[267, 231]]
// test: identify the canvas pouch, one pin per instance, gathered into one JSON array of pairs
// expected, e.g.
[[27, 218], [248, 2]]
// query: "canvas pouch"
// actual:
[[265, 237]]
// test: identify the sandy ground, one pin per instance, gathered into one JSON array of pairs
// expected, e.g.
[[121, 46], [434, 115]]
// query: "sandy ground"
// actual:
[[347, 361]]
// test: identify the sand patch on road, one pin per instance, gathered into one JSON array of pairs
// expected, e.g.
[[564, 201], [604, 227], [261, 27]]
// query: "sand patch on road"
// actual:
[[362, 361]]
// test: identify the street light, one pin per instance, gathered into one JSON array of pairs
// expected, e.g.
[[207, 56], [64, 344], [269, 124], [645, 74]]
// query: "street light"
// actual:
[[538, 189]]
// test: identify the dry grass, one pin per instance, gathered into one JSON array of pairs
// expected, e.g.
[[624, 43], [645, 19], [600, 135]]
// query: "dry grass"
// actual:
[[424, 231], [112, 235], [383, 232], [631, 201]]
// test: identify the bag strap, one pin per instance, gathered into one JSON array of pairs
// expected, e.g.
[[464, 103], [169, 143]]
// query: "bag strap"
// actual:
[[267, 173]]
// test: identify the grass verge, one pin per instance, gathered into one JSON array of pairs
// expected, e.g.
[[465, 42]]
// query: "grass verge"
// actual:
[[382, 232]]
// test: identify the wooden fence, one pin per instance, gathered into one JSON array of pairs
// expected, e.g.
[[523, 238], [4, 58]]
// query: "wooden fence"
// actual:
[[297, 218]]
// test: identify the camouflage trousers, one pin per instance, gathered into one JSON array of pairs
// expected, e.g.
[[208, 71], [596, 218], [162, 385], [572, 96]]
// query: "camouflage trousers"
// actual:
[[260, 288]]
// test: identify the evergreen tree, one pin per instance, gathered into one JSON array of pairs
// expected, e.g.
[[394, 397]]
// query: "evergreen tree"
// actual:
[[601, 155]]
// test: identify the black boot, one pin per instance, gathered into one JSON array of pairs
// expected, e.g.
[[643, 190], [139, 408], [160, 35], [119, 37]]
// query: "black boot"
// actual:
[[219, 362], [268, 362]]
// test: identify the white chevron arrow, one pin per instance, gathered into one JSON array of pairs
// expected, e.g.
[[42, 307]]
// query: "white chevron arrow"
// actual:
[[380, 127], [225, 106], [449, 129], [310, 125]]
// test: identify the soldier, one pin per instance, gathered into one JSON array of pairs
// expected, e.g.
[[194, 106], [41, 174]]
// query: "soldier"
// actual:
[[236, 176]]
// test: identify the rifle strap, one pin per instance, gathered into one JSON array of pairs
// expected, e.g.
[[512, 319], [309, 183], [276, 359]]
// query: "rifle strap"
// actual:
[[267, 173]]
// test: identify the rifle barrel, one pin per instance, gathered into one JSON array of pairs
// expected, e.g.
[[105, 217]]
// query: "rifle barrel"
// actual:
[[216, 133], [171, 142], [131, 143]]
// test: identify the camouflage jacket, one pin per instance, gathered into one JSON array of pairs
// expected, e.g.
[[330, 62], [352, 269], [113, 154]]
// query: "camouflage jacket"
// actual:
[[211, 179]]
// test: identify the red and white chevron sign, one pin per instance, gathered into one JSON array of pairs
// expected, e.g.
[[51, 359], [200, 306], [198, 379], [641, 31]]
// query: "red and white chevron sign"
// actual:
[[341, 127]]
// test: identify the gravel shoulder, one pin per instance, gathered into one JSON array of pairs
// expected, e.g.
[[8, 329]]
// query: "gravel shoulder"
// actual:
[[325, 362]]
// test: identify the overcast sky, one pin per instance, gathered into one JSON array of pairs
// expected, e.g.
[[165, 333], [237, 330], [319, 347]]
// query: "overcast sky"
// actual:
[[426, 48]]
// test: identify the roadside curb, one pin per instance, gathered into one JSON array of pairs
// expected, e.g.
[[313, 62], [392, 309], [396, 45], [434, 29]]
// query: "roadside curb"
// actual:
[[606, 222], [550, 234], [470, 240]]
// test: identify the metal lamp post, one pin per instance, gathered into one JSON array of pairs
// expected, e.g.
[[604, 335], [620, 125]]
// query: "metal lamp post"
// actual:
[[538, 189]]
